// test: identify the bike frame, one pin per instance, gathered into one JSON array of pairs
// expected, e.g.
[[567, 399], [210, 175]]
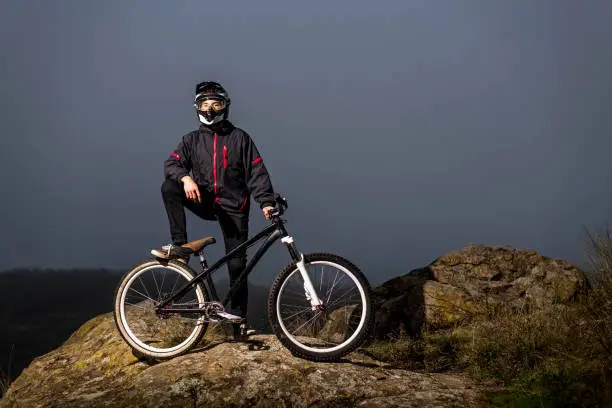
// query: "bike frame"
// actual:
[[271, 233]]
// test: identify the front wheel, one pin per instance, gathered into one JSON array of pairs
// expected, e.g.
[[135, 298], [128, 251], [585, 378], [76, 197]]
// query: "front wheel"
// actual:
[[326, 332]]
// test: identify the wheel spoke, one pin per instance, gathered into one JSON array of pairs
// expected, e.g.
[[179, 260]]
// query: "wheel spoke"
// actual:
[[144, 287], [156, 285], [333, 286], [146, 297], [175, 282], [340, 298], [298, 313], [308, 321], [163, 280]]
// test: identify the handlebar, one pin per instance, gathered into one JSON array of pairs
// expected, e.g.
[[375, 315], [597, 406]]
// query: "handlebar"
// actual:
[[280, 207]]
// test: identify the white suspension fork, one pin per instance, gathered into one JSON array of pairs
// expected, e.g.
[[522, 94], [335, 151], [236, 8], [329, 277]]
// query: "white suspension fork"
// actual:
[[311, 293]]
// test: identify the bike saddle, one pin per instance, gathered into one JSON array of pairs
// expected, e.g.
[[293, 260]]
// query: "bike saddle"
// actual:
[[197, 246]]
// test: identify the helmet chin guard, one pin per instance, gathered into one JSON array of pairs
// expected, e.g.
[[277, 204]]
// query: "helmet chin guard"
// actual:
[[207, 119]]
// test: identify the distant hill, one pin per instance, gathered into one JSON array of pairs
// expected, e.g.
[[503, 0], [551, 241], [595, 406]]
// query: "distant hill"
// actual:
[[41, 308]]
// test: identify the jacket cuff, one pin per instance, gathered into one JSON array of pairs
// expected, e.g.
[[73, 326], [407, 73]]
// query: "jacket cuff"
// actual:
[[180, 176], [266, 204]]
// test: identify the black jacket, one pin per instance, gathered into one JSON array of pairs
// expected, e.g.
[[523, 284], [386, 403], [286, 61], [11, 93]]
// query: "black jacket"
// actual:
[[226, 162]]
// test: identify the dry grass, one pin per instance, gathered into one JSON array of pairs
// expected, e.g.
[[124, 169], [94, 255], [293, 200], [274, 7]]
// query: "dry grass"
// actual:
[[560, 356], [5, 378], [4, 383]]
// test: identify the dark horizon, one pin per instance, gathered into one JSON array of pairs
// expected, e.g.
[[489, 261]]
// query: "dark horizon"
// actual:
[[397, 133]]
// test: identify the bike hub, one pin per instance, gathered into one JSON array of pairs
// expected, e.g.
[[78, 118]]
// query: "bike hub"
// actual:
[[319, 308]]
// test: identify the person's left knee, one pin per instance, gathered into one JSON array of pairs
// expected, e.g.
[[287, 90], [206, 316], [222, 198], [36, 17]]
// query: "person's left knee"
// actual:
[[171, 187], [237, 263]]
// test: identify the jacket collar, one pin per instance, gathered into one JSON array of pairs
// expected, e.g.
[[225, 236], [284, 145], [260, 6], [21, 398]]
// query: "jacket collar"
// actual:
[[222, 128]]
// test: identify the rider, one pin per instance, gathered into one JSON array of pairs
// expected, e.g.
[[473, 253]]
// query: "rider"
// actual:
[[226, 169]]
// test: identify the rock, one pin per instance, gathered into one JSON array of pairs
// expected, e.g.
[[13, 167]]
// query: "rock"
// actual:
[[399, 306], [337, 327], [506, 274], [471, 281], [96, 368]]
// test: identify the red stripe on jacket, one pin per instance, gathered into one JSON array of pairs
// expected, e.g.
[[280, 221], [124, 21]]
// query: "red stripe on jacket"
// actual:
[[244, 203]]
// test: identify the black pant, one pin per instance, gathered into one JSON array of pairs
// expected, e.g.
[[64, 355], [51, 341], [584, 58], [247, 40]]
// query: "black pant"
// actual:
[[235, 228]]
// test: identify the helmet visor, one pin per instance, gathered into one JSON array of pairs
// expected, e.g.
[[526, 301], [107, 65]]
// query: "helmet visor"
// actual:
[[207, 102]]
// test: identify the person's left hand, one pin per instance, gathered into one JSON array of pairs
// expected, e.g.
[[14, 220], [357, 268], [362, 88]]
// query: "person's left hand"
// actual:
[[266, 211]]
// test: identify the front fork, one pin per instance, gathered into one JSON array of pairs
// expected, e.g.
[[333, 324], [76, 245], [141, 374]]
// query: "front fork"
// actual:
[[311, 293]]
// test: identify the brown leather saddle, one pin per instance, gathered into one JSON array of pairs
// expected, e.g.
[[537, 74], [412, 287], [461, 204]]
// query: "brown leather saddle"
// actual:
[[197, 246]]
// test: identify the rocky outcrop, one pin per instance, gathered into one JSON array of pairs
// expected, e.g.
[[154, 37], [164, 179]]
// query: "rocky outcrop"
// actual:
[[95, 368], [473, 281]]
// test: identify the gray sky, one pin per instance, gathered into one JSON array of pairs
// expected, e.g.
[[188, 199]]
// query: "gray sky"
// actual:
[[397, 130]]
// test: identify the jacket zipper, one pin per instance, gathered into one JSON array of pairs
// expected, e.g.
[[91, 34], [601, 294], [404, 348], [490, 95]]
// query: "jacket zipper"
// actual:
[[215, 168], [244, 202]]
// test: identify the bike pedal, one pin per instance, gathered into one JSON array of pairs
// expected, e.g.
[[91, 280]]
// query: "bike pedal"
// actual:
[[229, 316]]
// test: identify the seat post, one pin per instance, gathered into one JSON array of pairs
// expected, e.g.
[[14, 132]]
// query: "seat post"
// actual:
[[203, 262], [209, 281]]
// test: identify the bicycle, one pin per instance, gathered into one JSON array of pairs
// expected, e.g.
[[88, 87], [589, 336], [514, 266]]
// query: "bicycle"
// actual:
[[301, 311]]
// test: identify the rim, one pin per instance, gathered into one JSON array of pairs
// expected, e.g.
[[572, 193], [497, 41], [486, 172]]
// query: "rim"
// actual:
[[134, 338], [364, 305]]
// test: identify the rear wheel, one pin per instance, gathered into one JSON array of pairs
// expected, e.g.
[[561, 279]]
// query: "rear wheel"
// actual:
[[328, 332], [159, 336]]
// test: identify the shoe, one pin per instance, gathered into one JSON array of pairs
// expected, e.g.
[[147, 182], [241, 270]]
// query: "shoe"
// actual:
[[172, 251], [242, 331], [247, 330]]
